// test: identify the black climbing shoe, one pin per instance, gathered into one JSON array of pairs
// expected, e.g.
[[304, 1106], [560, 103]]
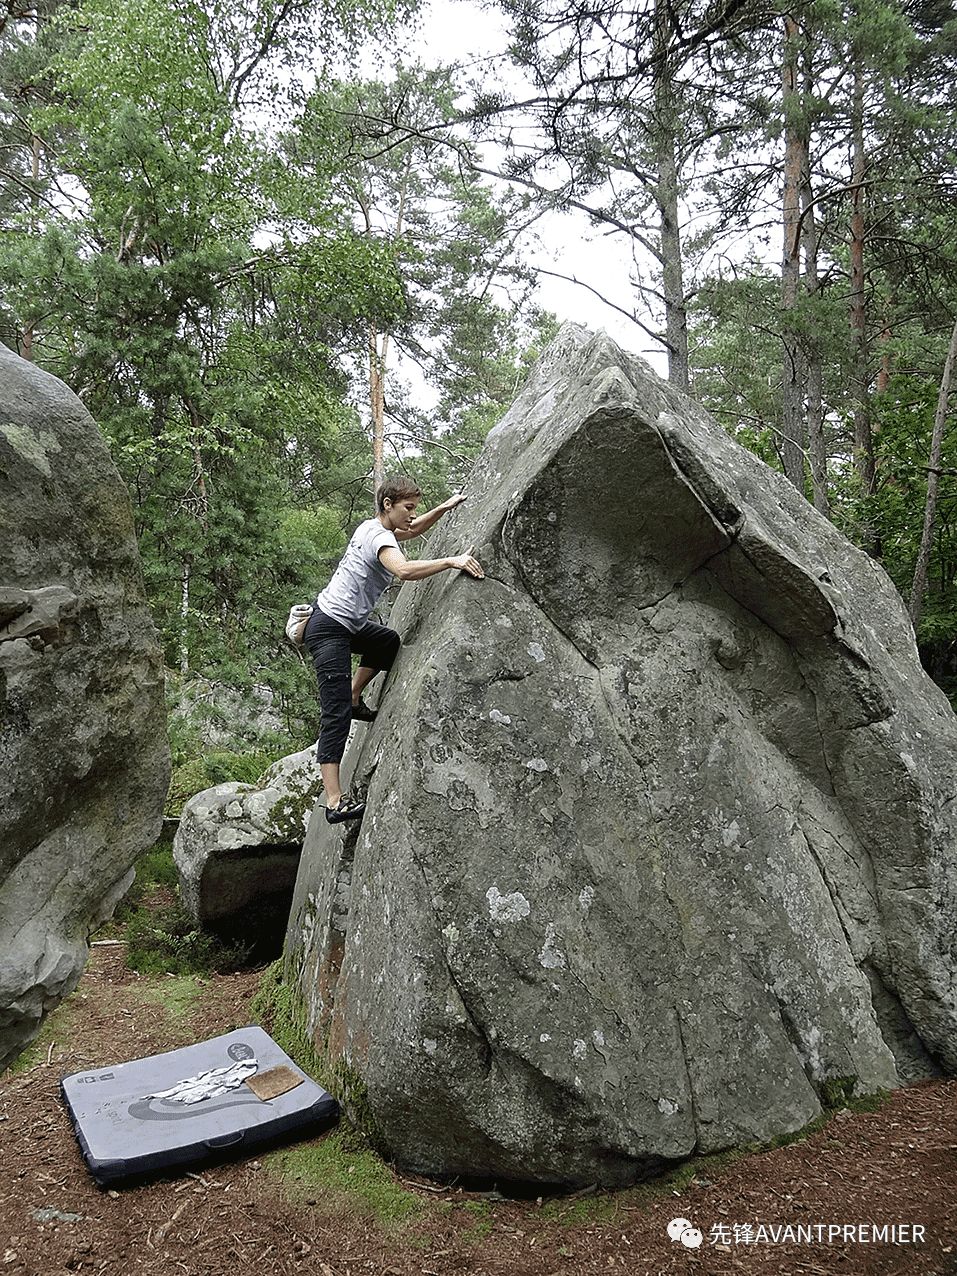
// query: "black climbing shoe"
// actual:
[[348, 809], [362, 713]]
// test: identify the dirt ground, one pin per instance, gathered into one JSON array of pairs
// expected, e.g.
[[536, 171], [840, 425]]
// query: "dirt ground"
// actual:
[[897, 1165]]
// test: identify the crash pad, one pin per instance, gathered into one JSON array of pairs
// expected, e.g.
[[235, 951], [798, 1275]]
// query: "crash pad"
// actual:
[[181, 1107]]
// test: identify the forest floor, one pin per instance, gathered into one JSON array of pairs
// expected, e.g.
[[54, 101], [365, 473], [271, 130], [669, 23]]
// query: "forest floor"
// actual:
[[327, 1206]]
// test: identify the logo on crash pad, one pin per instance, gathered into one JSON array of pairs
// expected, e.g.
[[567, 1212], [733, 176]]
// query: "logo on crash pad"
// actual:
[[178, 1103]]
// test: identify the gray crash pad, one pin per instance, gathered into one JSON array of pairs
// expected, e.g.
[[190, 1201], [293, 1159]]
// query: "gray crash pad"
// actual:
[[232, 1092]]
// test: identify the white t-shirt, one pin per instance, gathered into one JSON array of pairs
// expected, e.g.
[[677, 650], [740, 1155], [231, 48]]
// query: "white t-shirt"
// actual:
[[358, 581]]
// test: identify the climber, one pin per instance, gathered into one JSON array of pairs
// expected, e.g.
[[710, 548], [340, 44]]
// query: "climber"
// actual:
[[340, 623]]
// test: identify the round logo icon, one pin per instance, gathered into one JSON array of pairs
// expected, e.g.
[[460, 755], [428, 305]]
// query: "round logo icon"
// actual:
[[677, 1226], [682, 1229], [241, 1051]]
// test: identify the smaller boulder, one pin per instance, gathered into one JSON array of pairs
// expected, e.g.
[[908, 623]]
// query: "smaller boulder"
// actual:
[[237, 852]]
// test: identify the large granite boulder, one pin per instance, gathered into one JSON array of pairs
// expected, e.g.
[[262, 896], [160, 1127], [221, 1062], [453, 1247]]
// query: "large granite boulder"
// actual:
[[237, 851], [659, 852], [84, 762]]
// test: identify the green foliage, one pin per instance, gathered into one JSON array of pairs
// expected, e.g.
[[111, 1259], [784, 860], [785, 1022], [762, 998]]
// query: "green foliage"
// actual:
[[167, 941], [206, 289], [177, 996], [872, 1102], [218, 766], [277, 1007], [340, 1171], [56, 1028], [840, 1093], [244, 717], [738, 337], [452, 246], [736, 359], [598, 1209], [213, 364], [185, 734], [792, 1136], [161, 938], [154, 869], [484, 1222]]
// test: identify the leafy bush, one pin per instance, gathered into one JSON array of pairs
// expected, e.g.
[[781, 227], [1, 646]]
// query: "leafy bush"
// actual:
[[164, 940], [154, 869], [185, 737], [220, 766], [168, 941]]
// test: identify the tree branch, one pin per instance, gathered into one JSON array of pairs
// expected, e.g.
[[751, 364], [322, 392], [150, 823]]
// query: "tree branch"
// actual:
[[571, 279]]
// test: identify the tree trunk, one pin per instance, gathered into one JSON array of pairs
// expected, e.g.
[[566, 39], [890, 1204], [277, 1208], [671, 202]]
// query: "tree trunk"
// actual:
[[863, 440], [379, 354], [930, 508], [816, 444], [793, 370], [672, 275], [377, 407], [183, 615], [26, 345]]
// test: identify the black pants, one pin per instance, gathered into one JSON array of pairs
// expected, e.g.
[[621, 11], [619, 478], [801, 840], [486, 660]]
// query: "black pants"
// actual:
[[331, 646]]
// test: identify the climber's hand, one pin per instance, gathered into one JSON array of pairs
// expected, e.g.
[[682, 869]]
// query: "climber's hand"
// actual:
[[466, 563]]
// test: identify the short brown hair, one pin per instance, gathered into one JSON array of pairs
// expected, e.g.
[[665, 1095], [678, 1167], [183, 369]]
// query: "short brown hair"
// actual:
[[396, 487]]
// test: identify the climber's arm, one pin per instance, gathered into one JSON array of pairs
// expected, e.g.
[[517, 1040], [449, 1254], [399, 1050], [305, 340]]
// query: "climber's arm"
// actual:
[[410, 569], [422, 522]]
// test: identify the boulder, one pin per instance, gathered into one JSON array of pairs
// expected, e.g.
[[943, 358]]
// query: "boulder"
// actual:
[[237, 851], [659, 852], [84, 762]]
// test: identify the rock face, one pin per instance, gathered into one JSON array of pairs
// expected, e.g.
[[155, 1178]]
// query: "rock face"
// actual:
[[237, 850], [660, 841], [84, 763]]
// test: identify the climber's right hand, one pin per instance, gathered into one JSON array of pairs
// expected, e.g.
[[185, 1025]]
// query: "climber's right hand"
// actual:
[[466, 563]]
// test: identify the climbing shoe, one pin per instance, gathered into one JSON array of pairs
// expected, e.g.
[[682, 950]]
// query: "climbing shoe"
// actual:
[[362, 713], [348, 809]]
